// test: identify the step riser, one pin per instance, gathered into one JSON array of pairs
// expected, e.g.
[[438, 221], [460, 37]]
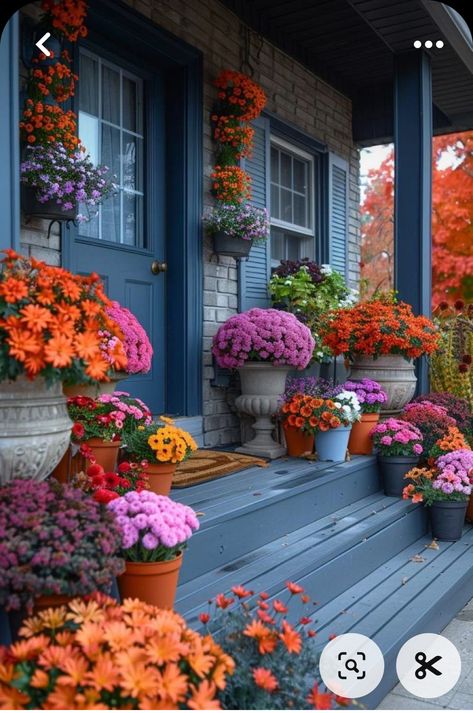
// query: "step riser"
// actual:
[[218, 543], [339, 572]]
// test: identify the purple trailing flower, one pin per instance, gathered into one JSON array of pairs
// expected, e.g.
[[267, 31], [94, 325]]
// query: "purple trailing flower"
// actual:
[[154, 528], [263, 335], [66, 179], [370, 394], [238, 221]]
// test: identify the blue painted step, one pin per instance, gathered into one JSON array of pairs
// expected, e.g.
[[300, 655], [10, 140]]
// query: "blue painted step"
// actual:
[[326, 556], [418, 590], [245, 511]]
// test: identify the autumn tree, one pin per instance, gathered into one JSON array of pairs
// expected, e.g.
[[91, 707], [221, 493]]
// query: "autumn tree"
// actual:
[[452, 221]]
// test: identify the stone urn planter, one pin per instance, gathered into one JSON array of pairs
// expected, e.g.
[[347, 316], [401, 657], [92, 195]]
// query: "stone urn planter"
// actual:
[[35, 428], [97, 389], [262, 385], [395, 375]]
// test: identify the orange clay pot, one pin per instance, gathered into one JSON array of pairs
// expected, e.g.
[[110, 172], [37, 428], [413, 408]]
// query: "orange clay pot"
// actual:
[[47, 601], [469, 511], [104, 452], [160, 477], [360, 443], [152, 582], [298, 442]]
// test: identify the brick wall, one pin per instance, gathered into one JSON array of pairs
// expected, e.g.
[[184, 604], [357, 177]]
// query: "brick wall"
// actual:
[[295, 95]]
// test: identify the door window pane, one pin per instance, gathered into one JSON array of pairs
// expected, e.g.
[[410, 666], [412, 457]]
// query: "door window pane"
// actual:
[[110, 122], [291, 189]]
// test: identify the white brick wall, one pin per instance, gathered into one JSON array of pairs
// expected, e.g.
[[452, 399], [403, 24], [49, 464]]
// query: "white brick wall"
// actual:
[[295, 95]]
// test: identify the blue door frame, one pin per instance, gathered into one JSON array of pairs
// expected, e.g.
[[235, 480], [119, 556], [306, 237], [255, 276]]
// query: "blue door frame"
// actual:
[[183, 67]]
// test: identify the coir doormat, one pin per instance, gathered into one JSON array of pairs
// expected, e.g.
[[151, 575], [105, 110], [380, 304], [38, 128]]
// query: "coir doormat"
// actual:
[[207, 465]]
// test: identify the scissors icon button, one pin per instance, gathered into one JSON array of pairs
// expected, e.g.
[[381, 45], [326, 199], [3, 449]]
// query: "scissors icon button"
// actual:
[[425, 665]]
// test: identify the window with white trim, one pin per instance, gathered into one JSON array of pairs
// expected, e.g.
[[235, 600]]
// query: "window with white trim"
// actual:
[[292, 202], [111, 127]]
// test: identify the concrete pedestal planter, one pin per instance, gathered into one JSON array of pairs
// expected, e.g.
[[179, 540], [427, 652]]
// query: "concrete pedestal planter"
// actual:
[[447, 518], [332, 445], [393, 469], [394, 374], [97, 389], [262, 385], [34, 428], [225, 244]]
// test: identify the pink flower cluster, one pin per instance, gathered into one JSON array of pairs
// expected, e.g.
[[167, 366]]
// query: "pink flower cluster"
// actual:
[[153, 526], [396, 437], [127, 408], [456, 472], [108, 343], [136, 343], [263, 335]]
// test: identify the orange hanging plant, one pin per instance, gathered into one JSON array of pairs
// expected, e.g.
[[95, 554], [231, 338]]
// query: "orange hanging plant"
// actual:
[[49, 323], [67, 17], [239, 95], [231, 184]]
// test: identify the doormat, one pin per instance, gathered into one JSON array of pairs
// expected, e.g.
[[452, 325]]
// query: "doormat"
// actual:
[[208, 465]]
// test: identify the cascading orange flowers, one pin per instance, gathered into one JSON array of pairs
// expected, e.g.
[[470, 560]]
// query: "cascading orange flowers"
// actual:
[[231, 184], [240, 94], [67, 17], [101, 655], [44, 328]]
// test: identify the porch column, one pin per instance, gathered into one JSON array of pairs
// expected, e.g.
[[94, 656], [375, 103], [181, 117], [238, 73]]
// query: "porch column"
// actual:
[[413, 185]]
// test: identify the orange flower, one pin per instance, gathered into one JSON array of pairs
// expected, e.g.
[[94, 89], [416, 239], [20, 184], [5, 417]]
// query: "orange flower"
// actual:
[[87, 345], [241, 592], [294, 588], [291, 638], [59, 351], [13, 290], [320, 701], [35, 318], [279, 607], [172, 683], [265, 679], [203, 697], [222, 601]]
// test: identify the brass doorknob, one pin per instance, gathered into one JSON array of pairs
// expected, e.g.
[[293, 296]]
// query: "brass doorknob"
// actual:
[[157, 267]]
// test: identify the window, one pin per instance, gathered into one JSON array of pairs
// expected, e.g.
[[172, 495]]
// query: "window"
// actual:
[[111, 128], [292, 203]]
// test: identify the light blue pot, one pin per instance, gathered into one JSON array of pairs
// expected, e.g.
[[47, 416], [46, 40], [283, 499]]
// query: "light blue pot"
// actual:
[[333, 444]]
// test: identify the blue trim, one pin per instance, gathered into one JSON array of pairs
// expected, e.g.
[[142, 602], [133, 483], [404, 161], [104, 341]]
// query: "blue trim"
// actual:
[[413, 186], [9, 133]]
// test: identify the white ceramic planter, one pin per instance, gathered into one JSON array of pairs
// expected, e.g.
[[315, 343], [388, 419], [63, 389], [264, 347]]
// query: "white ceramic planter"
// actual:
[[262, 386], [395, 374], [34, 428]]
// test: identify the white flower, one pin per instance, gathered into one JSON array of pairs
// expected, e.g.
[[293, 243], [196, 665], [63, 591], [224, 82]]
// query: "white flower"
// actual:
[[326, 269]]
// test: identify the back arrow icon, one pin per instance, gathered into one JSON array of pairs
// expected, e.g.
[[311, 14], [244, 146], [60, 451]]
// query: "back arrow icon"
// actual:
[[40, 44]]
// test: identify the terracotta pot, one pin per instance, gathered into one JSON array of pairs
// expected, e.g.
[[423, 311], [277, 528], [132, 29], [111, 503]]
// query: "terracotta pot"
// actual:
[[298, 442], [160, 477], [152, 582], [360, 443], [47, 601], [395, 375], [104, 452]]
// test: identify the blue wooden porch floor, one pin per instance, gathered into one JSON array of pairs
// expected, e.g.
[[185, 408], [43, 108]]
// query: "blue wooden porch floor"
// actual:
[[363, 557]]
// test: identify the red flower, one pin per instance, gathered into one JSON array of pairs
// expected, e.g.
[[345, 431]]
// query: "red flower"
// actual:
[[320, 701], [279, 607], [263, 595], [264, 679], [241, 592], [311, 633], [222, 601], [124, 483], [98, 481], [105, 496], [459, 305], [204, 618], [294, 588], [78, 431], [124, 467], [111, 480], [304, 620], [463, 368], [94, 469]]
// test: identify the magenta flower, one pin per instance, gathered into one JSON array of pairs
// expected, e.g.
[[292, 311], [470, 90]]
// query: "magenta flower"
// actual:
[[263, 335], [394, 437], [370, 394], [137, 346]]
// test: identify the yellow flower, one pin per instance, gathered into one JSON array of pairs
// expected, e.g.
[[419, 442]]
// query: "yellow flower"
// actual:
[[154, 442]]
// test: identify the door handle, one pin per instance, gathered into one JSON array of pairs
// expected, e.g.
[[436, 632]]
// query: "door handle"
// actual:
[[157, 267]]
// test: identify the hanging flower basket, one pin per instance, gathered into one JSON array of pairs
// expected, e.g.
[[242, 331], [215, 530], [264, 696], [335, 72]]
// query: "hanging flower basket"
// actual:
[[225, 244], [50, 210]]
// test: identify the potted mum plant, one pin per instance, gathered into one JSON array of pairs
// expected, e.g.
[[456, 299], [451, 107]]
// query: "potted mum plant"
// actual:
[[399, 447], [160, 446], [262, 344], [57, 543], [333, 420], [277, 663], [371, 397], [456, 406], [453, 440], [137, 346], [381, 338], [235, 228], [47, 336], [446, 490], [295, 414], [103, 675], [105, 487], [432, 421], [154, 531], [100, 424]]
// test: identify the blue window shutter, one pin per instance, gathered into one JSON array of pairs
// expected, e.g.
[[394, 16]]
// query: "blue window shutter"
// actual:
[[338, 213], [254, 273]]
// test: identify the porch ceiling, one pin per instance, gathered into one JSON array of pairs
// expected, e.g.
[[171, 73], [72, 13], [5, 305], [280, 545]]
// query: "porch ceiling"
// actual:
[[351, 44]]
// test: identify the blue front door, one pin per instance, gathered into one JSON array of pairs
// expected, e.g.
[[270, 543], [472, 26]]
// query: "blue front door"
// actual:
[[122, 125]]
